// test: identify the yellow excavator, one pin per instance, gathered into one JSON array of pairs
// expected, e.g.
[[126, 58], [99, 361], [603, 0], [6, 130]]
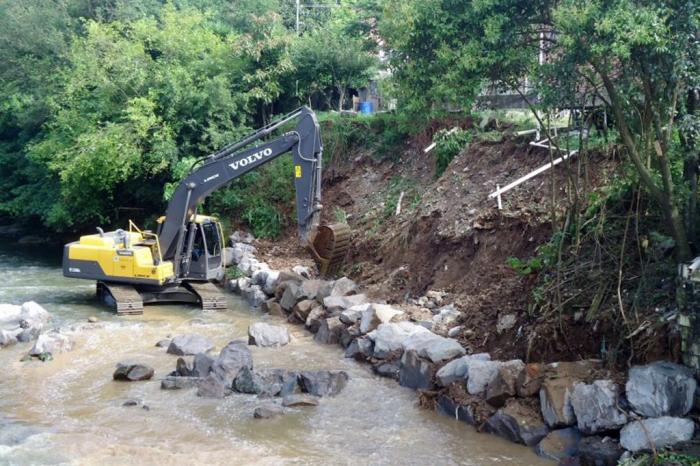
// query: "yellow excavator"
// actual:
[[180, 261]]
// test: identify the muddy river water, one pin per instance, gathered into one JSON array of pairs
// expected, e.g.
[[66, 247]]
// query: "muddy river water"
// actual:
[[69, 411]]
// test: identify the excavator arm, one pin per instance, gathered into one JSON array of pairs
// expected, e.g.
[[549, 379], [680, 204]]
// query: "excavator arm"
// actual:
[[237, 159]]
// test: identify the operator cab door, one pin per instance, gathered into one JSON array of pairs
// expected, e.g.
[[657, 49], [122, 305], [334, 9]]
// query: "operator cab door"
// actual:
[[206, 252]]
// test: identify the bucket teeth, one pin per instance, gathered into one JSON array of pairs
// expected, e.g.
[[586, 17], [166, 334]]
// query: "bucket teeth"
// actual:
[[330, 247]]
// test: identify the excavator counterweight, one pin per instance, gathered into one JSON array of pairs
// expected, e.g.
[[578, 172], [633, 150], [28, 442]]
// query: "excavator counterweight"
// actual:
[[180, 261]]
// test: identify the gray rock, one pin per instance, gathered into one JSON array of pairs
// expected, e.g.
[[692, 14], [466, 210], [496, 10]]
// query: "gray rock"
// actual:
[[387, 369], [299, 400], [389, 338], [454, 331], [292, 294], [599, 451], [360, 349], [301, 270], [309, 288], [239, 236], [8, 337], [268, 411], [179, 383], [506, 322], [233, 357], [595, 407], [433, 347], [348, 334], [415, 372], [262, 334], [555, 402], [448, 407], [313, 320], [53, 342], [559, 444], [329, 331], [354, 314], [228, 256], [27, 335], [271, 282], [183, 368], [337, 304], [661, 389], [163, 343], [458, 369], [656, 433], [267, 382], [481, 374], [342, 287], [254, 295], [504, 385], [132, 372], [211, 387], [201, 366], [189, 344], [518, 423], [377, 314], [323, 383], [447, 316]]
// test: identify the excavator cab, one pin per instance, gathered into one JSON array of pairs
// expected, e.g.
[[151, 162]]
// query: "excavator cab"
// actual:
[[205, 261]]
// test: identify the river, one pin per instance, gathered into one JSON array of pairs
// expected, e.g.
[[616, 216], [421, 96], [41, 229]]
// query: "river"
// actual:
[[69, 410]]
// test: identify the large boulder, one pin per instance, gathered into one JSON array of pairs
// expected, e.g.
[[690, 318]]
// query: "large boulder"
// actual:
[[189, 344], [238, 251], [131, 372], [179, 383], [337, 304], [448, 407], [232, 358], [262, 334], [480, 375], [33, 316], [648, 434], [211, 387], [458, 369], [447, 316], [354, 314], [22, 323], [518, 423], [291, 295], [313, 320], [389, 338], [559, 444], [271, 281], [433, 347], [377, 314], [254, 295], [303, 308], [53, 342], [341, 287], [323, 383], [329, 331], [269, 382], [416, 372], [596, 407], [530, 380], [599, 451], [555, 402], [268, 411], [360, 349], [661, 389], [504, 385], [201, 365]]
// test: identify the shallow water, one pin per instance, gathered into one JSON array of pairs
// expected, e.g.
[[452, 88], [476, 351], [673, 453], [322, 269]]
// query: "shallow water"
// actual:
[[69, 410]]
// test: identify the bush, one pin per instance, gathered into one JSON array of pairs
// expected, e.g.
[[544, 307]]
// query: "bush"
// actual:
[[449, 144]]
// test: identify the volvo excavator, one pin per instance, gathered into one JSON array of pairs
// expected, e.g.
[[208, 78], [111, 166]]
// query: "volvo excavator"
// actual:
[[180, 261]]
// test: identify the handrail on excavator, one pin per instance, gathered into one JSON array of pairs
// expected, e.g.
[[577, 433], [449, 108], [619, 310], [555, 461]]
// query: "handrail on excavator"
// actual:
[[147, 234]]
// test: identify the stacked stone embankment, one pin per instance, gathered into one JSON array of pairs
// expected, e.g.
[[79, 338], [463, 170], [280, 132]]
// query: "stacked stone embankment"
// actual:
[[566, 410]]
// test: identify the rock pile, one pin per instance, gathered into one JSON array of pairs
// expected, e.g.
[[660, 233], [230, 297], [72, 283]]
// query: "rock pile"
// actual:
[[31, 322], [563, 410]]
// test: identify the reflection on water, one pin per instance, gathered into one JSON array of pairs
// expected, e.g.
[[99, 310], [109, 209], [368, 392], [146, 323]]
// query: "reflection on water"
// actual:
[[70, 411]]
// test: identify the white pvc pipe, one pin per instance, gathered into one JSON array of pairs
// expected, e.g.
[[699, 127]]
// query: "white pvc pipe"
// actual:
[[532, 174]]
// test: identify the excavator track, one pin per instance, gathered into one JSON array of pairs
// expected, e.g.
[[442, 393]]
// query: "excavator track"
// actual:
[[124, 299], [330, 247], [210, 297]]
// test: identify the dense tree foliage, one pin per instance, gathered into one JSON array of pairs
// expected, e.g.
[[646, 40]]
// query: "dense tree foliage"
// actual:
[[106, 103]]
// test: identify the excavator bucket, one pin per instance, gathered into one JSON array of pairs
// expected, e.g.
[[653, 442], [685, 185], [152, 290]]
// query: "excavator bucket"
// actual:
[[329, 247]]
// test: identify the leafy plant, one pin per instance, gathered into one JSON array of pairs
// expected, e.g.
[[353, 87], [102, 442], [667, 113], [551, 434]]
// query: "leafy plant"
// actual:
[[449, 144]]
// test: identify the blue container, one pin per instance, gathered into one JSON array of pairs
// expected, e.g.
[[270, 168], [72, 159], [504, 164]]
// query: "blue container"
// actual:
[[366, 108]]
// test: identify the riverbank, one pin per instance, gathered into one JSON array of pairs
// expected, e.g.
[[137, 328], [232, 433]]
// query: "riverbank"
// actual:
[[576, 412], [70, 409]]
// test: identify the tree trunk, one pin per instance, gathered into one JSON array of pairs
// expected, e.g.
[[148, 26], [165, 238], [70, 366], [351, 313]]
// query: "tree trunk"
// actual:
[[341, 97]]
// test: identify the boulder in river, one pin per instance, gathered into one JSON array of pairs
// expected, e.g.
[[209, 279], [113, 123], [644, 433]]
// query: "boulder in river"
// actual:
[[518, 422], [504, 385], [254, 295], [201, 365], [179, 383], [299, 400], [313, 320], [480, 375], [268, 411], [164, 343], [377, 314], [323, 383], [433, 347], [387, 369], [329, 331], [416, 372], [555, 402], [599, 451], [661, 389], [232, 358], [262, 334], [337, 304], [189, 344], [389, 338], [211, 387], [354, 314], [559, 444], [269, 382], [647, 434], [53, 342], [360, 349], [596, 407], [132, 372]]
